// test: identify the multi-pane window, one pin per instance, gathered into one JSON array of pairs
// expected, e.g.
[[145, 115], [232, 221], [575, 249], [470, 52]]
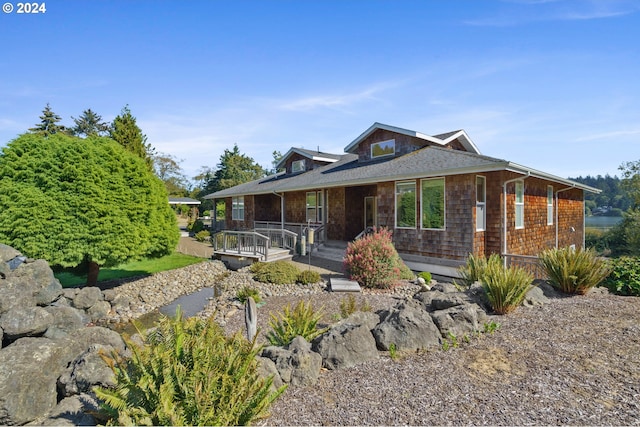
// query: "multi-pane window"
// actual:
[[481, 202], [549, 204], [406, 204], [314, 203], [519, 203], [237, 208], [432, 202]]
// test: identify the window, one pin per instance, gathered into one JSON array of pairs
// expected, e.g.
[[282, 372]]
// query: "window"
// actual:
[[237, 208], [297, 166], [384, 148], [432, 202], [314, 206], [549, 204], [405, 205], [481, 201], [519, 204]]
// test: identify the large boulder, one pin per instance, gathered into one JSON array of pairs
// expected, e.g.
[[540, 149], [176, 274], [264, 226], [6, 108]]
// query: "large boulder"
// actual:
[[348, 343], [25, 322], [65, 320], [37, 277], [267, 368], [460, 320], [71, 411], [87, 297], [30, 368], [86, 371], [296, 363], [408, 327]]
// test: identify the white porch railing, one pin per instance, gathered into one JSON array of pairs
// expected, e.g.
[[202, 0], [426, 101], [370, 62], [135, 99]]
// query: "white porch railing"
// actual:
[[281, 238], [242, 243]]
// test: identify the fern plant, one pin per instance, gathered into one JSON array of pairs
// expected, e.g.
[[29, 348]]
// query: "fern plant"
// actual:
[[574, 271], [505, 287], [187, 373], [302, 320]]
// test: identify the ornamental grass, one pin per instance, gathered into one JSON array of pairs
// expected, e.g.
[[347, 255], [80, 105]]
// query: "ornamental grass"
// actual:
[[506, 287], [574, 271]]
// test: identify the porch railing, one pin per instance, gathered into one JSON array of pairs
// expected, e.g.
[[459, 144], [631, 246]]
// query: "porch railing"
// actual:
[[242, 243], [528, 262], [295, 227], [281, 238]]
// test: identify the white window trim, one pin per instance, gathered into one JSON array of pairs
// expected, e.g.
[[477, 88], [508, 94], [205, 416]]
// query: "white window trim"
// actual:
[[549, 204], [319, 206], [483, 203], [383, 142], [516, 204], [396, 204], [444, 195], [236, 209]]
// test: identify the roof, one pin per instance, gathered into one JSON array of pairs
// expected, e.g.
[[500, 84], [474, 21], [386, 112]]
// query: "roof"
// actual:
[[309, 154], [183, 201], [442, 139], [431, 161]]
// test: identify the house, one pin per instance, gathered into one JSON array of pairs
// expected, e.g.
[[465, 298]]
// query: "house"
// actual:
[[441, 198]]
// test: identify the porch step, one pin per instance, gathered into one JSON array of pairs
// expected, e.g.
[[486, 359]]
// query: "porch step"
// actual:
[[279, 255]]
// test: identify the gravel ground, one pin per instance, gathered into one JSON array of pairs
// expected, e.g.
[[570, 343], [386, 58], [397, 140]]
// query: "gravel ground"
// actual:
[[573, 361]]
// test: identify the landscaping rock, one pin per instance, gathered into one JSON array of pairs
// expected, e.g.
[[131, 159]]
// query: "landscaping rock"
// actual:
[[65, 320], [7, 253], [99, 311], [25, 322], [296, 363], [87, 297], [37, 278], [71, 411], [267, 368], [86, 371], [459, 320], [407, 326], [348, 343], [534, 297]]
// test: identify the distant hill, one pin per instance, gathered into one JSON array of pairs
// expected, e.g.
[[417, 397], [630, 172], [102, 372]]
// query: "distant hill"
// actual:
[[611, 202]]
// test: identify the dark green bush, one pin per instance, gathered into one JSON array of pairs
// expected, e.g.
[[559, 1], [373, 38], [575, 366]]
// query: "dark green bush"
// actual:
[[505, 287], [277, 272], [195, 226], [302, 321], [187, 373], [574, 271], [202, 236], [308, 276], [624, 278]]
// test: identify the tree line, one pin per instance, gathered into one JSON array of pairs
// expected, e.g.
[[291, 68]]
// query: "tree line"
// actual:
[[612, 201]]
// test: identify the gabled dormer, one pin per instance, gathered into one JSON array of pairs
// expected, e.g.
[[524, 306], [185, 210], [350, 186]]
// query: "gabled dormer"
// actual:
[[298, 160], [381, 142]]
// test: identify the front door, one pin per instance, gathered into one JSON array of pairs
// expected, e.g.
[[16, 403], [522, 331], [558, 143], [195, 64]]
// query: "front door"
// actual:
[[370, 213]]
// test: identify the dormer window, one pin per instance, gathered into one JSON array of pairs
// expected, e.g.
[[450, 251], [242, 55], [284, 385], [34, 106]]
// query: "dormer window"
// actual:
[[297, 166], [383, 148]]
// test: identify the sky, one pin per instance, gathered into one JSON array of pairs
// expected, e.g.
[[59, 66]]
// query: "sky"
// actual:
[[553, 85]]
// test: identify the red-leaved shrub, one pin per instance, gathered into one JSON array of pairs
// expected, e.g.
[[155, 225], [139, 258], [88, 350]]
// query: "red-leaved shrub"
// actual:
[[372, 261]]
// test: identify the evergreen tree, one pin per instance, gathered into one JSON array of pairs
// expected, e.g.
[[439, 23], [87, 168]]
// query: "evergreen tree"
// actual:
[[48, 123], [125, 131], [89, 124], [234, 168], [82, 203]]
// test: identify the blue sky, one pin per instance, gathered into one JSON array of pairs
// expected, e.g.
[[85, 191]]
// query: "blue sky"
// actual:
[[549, 84]]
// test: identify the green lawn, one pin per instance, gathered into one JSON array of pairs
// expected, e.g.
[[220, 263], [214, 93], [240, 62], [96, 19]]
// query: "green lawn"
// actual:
[[132, 269]]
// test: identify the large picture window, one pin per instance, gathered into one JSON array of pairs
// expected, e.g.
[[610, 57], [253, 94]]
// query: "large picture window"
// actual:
[[549, 204], [433, 203], [384, 148], [405, 205], [481, 202], [237, 208], [519, 204]]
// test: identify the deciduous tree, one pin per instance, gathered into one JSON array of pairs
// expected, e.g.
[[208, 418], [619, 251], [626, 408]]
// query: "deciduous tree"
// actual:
[[82, 202]]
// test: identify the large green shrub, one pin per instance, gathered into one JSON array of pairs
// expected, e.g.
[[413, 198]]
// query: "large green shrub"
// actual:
[[624, 278], [505, 287], [302, 320], [277, 272], [187, 373], [372, 261], [82, 202], [574, 271]]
